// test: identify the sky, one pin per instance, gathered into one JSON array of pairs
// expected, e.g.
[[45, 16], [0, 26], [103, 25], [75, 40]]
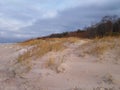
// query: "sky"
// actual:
[[24, 19]]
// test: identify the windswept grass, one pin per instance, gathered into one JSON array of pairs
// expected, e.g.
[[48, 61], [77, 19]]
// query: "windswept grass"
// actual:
[[43, 46], [37, 48], [99, 46]]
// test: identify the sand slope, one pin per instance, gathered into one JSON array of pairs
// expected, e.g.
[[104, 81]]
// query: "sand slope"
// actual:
[[71, 69]]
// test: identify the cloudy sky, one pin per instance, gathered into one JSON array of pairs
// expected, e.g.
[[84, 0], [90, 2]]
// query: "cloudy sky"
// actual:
[[21, 19]]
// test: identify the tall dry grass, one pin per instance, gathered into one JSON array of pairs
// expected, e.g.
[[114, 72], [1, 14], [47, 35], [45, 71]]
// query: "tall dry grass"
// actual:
[[43, 46], [99, 46]]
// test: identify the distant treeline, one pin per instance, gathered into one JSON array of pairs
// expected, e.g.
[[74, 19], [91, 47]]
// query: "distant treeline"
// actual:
[[109, 25]]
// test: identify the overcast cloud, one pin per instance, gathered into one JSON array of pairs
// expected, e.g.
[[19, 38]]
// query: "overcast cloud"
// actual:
[[22, 19]]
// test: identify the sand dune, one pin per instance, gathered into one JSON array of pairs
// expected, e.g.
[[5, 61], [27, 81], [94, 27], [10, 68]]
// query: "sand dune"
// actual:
[[74, 68]]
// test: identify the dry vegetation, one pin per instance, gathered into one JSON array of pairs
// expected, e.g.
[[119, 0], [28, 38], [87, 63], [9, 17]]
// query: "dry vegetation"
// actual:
[[100, 46], [96, 47], [56, 63], [43, 46], [38, 48], [44, 61]]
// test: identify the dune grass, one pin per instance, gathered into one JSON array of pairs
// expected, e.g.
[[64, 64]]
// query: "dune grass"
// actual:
[[43, 46], [99, 46]]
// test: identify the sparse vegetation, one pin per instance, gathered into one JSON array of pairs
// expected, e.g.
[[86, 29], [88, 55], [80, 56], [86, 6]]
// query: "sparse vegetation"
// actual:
[[51, 63], [99, 46], [43, 46], [56, 64]]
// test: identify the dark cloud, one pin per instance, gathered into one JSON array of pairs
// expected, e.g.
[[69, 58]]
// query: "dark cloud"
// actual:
[[74, 18], [65, 19]]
